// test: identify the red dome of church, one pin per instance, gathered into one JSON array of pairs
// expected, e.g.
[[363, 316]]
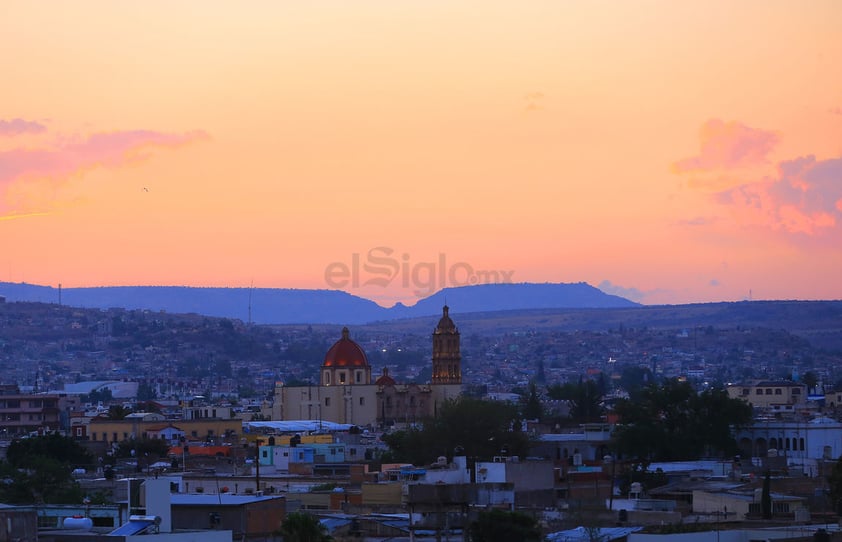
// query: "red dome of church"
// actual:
[[345, 353]]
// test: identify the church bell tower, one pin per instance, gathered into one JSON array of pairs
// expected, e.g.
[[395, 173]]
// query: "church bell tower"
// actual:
[[447, 360]]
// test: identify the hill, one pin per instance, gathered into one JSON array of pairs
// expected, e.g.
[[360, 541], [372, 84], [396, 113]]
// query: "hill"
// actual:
[[297, 306]]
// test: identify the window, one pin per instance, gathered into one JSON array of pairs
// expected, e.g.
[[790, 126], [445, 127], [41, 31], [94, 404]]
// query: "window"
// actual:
[[93, 436], [358, 376], [362, 401], [746, 391], [759, 391], [115, 437], [777, 391], [768, 391], [342, 377], [327, 378], [801, 443], [796, 391], [327, 401]]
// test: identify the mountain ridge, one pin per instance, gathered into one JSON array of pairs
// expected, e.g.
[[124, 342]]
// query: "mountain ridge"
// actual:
[[315, 306]]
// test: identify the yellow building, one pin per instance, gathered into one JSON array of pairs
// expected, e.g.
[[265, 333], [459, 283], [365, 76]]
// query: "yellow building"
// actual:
[[771, 395], [115, 431]]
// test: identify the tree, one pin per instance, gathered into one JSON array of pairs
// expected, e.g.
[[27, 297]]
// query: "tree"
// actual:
[[481, 428], [118, 412], [766, 497], [835, 484], [811, 380], [672, 422], [583, 398], [532, 407], [38, 470], [501, 526], [301, 527], [145, 392]]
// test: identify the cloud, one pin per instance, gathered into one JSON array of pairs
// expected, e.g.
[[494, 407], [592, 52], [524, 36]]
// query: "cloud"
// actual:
[[804, 197], [697, 221], [20, 126], [533, 101], [18, 216], [835, 110], [727, 145], [103, 149], [629, 293]]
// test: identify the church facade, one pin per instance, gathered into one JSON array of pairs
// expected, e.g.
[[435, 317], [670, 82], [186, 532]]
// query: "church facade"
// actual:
[[347, 394]]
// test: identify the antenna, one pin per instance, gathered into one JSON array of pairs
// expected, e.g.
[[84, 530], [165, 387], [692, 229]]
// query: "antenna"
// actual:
[[59, 294], [250, 289]]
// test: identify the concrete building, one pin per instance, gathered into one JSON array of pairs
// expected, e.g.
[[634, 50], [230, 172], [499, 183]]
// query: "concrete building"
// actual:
[[781, 396], [21, 414], [799, 444]]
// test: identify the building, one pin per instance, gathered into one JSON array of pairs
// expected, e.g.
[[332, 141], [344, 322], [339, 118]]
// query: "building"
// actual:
[[347, 395], [779, 396], [116, 431], [799, 444], [22, 414]]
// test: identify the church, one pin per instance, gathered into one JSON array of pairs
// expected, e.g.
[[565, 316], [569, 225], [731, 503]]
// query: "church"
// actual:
[[346, 393]]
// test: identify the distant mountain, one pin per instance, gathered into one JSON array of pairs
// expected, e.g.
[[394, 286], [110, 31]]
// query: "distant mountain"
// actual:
[[289, 306]]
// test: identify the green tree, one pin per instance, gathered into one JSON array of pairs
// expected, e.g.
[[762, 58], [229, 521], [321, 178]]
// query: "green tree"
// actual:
[[118, 412], [145, 392], [482, 429], [62, 449], [102, 395], [532, 407], [301, 527], [811, 380], [502, 526], [834, 482], [671, 422], [766, 496], [38, 470], [583, 398]]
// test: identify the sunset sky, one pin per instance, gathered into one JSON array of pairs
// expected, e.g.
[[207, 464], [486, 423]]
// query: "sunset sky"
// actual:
[[670, 152]]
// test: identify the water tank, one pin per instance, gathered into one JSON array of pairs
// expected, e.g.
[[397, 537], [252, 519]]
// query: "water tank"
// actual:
[[78, 523]]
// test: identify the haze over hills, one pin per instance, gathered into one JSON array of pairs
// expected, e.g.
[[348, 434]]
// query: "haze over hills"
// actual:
[[293, 306]]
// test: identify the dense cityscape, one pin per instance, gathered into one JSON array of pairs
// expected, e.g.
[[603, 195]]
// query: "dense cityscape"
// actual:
[[610, 431]]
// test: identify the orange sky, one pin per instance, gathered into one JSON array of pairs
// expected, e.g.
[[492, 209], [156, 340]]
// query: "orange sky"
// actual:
[[671, 152]]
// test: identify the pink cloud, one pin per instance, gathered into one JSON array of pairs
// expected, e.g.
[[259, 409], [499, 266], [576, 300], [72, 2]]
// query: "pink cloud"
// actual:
[[110, 149], [726, 145], [20, 126], [805, 197]]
